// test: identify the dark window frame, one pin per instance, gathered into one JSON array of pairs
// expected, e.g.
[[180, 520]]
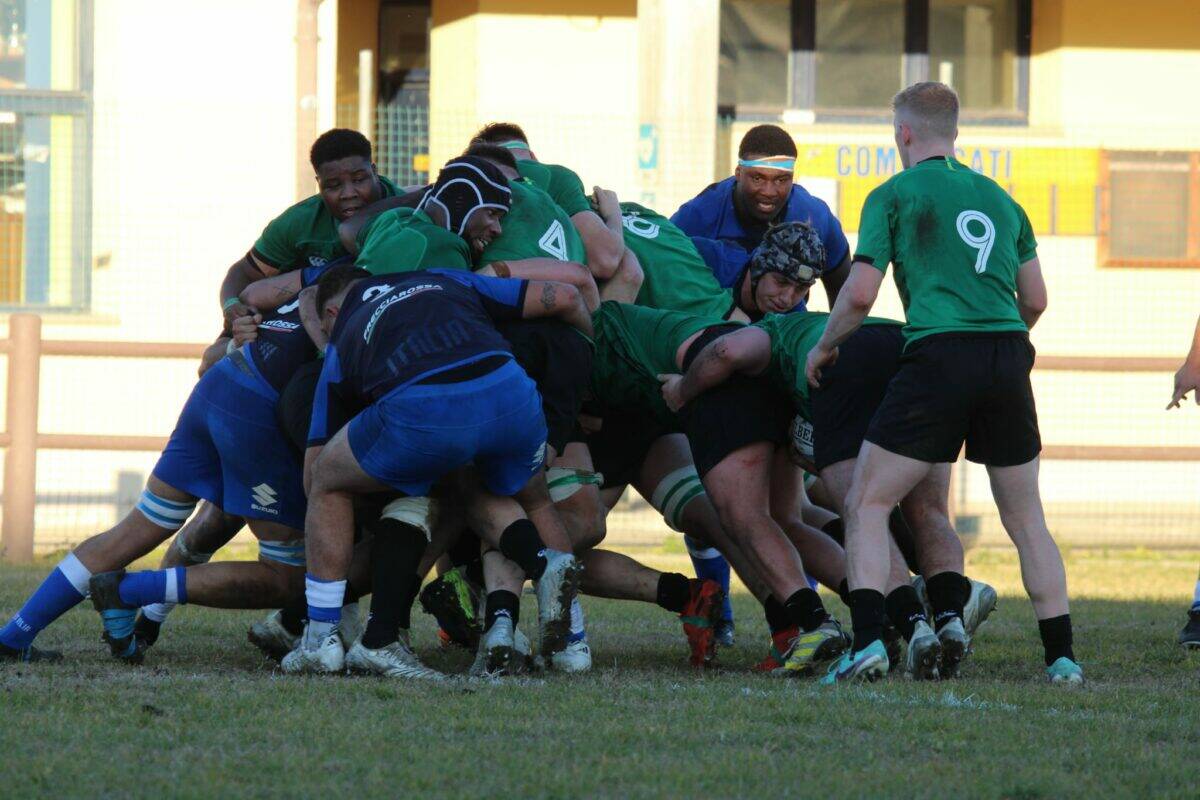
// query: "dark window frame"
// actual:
[[802, 65], [1104, 255]]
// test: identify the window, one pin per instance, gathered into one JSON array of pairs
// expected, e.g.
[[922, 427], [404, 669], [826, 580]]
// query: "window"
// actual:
[[847, 58], [45, 153], [1149, 209]]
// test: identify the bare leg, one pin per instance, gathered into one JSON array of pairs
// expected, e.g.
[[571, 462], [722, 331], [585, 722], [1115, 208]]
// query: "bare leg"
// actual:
[[1020, 503], [619, 577], [821, 556], [205, 533], [247, 584]]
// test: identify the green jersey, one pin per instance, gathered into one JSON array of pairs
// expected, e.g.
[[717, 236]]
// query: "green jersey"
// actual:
[[561, 183], [404, 240], [534, 227], [956, 239], [306, 235], [792, 336], [634, 345], [676, 277]]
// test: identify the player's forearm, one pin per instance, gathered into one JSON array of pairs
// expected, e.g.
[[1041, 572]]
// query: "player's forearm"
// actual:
[[272, 292], [712, 367], [604, 241], [623, 287], [240, 275], [844, 320], [551, 269]]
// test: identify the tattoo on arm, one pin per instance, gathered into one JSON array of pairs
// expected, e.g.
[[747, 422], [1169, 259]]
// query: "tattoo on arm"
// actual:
[[549, 297]]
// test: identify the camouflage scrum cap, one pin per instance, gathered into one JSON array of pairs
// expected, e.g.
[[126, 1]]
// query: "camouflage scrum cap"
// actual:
[[791, 249]]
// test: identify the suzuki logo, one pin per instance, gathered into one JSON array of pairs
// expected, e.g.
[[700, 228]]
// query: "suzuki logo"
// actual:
[[264, 495]]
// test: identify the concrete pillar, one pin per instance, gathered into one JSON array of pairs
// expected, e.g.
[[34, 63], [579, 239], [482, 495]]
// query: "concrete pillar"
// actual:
[[678, 47]]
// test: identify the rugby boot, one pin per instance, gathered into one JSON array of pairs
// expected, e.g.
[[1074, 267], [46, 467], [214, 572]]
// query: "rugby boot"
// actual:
[[28, 655], [781, 641], [395, 660], [700, 618], [555, 590], [869, 664], [117, 616], [272, 638], [575, 657], [812, 650], [955, 646], [723, 633], [454, 602], [328, 656], [1189, 637], [146, 630], [1065, 671], [924, 650], [496, 650], [979, 606]]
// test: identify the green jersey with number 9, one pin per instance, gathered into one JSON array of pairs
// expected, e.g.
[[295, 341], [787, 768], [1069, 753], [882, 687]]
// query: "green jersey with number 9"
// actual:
[[534, 227], [676, 277], [956, 239]]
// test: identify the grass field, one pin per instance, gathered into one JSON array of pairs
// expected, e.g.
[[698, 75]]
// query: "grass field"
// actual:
[[205, 716]]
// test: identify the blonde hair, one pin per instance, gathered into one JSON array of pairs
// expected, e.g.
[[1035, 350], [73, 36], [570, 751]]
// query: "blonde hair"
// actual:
[[929, 108]]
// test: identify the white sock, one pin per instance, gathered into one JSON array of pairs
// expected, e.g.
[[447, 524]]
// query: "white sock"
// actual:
[[158, 611]]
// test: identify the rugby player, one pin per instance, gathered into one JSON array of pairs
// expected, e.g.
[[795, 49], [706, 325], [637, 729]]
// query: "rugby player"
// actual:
[[600, 233], [837, 415], [965, 374], [435, 388], [231, 412], [306, 234], [734, 214], [1187, 379]]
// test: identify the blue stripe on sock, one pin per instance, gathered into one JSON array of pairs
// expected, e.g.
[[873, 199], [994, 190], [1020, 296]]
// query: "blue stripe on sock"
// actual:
[[318, 614], [158, 519], [55, 597]]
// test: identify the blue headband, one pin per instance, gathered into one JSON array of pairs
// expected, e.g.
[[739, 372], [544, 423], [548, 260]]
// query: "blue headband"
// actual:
[[780, 162]]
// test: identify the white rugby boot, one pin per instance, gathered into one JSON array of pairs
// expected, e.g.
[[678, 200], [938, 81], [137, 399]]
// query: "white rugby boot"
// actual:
[[396, 660], [980, 604], [921, 658], [575, 657], [555, 590], [328, 656]]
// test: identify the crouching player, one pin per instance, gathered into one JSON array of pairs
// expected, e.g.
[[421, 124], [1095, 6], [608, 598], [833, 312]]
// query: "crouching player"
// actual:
[[231, 412], [435, 388]]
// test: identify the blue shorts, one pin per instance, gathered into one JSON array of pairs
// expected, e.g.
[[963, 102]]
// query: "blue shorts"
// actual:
[[416, 434], [227, 448]]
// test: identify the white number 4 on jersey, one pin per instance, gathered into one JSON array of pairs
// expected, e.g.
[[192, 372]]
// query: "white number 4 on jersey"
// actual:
[[554, 241]]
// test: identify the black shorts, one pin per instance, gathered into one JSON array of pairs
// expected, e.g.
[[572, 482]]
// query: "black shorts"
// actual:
[[953, 388], [559, 360], [851, 391], [620, 446], [294, 409]]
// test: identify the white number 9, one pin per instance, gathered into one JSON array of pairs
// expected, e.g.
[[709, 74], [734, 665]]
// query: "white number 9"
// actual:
[[981, 243]]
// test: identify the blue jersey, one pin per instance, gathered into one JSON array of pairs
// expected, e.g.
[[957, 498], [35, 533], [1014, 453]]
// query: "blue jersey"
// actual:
[[399, 329], [283, 345], [712, 215]]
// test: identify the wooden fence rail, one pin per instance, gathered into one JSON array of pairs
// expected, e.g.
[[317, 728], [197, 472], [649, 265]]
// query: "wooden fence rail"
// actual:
[[21, 439]]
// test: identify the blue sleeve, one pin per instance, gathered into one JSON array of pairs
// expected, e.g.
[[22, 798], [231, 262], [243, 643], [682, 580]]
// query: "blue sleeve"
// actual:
[[687, 220], [836, 246], [310, 275], [727, 260], [323, 424], [503, 298]]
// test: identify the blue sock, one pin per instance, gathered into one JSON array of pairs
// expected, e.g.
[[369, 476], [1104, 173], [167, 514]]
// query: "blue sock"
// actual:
[[62, 590], [710, 564], [154, 586]]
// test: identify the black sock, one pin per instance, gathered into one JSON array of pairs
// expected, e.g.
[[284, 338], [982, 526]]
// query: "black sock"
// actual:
[[835, 529], [843, 591], [1056, 638], [904, 539], [777, 616], [464, 550], [473, 570], [948, 593], [904, 609], [395, 555], [673, 591], [866, 613], [804, 608], [292, 615], [501, 603], [521, 544]]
